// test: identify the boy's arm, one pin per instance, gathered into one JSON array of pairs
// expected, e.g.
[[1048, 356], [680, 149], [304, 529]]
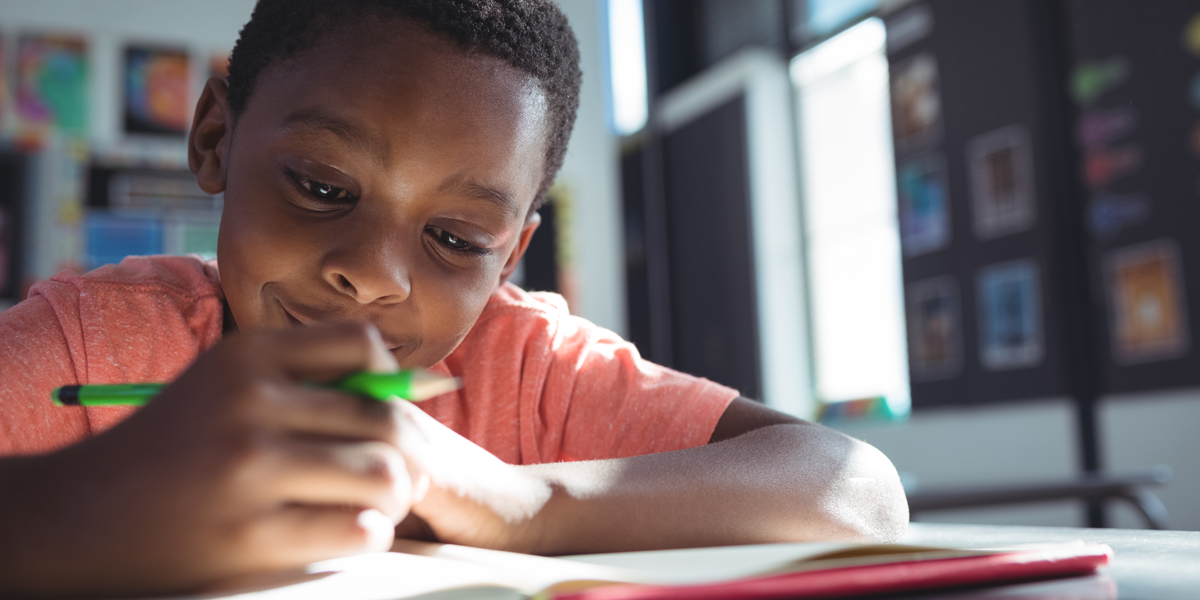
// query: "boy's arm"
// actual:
[[237, 467], [766, 477]]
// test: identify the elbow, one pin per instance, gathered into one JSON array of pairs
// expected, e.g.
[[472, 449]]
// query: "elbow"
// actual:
[[867, 502], [821, 485]]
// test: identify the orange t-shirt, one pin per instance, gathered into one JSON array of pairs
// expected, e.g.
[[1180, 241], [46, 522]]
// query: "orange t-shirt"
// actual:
[[539, 384]]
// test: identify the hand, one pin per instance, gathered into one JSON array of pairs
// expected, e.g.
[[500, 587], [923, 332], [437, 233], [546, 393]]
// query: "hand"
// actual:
[[766, 478], [237, 467], [466, 495]]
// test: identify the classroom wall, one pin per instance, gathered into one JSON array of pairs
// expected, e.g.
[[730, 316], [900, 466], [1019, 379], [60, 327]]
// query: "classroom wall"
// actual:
[[984, 445], [1030, 441], [1139, 430], [589, 172]]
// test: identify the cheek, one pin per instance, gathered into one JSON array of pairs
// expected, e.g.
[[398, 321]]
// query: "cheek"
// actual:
[[452, 305], [253, 248]]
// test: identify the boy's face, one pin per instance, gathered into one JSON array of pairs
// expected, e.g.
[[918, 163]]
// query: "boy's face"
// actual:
[[383, 176]]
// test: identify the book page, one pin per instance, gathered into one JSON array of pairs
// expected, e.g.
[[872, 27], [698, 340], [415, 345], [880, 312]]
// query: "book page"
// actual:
[[676, 567]]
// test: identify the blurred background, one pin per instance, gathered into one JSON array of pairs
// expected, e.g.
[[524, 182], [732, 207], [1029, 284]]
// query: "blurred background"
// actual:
[[963, 232]]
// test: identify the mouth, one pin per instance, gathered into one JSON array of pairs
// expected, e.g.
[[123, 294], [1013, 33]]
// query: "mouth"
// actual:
[[399, 346]]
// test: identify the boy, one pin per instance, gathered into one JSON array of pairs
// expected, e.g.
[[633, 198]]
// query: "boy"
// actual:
[[381, 162]]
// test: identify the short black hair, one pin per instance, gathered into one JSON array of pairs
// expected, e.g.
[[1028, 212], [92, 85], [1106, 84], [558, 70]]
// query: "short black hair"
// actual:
[[531, 35]]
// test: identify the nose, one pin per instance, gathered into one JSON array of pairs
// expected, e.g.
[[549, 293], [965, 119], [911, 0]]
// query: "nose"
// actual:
[[370, 269]]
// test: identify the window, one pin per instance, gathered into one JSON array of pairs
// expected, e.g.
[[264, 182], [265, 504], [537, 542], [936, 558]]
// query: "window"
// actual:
[[848, 189]]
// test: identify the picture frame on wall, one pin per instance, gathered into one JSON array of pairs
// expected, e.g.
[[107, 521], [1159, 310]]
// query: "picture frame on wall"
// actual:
[[934, 329], [916, 104], [1000, 165], [155, 86], [1147, 316], [51, 86], [1010, 315], [924, 204]]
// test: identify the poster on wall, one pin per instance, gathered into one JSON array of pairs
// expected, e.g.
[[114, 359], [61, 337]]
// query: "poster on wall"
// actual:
[[1000, 164], [1010, 316], [934, 329], [916, 104], [1148, 320], [156, 90], [924, 204], [51, 86]]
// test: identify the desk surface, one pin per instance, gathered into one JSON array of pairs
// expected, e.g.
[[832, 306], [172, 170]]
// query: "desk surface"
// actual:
[[1148, 565]]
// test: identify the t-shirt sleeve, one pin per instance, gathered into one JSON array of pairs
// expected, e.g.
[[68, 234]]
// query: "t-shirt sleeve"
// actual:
[[619, 404], [35, 357], [143, 320]]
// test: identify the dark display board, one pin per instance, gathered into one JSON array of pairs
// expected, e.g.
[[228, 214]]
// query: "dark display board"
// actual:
[[1135, 84], [1048, 174], [976, 149]]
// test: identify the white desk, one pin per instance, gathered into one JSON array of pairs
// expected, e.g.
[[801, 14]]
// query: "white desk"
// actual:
[[1149, 565]]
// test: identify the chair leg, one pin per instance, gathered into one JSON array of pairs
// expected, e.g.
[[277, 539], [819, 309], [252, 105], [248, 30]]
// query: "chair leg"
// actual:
[[1148, 504]]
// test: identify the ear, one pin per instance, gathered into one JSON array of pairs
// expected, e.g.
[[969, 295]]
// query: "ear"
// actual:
[[531, 225], [208, 142]]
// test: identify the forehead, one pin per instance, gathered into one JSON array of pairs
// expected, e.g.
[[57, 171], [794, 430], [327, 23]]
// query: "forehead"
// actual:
[[394, 91]]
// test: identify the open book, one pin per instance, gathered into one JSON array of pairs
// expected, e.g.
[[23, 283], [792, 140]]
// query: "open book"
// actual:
[[427, 571]]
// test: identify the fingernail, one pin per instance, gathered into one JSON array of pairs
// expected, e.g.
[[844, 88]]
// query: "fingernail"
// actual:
[[380, 529]]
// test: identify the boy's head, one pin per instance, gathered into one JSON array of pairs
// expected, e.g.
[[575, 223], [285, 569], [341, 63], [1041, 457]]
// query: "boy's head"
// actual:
[[381, 161], [532, 36]]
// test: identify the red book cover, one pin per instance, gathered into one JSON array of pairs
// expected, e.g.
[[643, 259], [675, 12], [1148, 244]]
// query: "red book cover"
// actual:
[[888, 577]]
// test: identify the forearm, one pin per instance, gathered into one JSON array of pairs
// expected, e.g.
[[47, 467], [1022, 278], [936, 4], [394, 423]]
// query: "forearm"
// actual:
[[32, 557], [779, 483]]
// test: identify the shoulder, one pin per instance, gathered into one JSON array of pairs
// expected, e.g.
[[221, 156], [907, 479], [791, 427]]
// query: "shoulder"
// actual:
[[514, 311], [172, 295], [186, 276], [512, 300], [144, 319]]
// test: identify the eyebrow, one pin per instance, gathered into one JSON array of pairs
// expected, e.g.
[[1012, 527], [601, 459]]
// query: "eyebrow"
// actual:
[[502, 199], [319, 118]]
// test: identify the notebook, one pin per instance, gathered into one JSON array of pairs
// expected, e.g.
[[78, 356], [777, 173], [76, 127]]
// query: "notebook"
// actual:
[[425, 571]]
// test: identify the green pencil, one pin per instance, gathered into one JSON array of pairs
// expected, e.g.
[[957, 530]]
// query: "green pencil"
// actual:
[[413, 385]]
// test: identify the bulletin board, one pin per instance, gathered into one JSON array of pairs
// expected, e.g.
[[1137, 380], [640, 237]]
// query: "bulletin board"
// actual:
[[1136, 91], [975, 159], [1048, 168]]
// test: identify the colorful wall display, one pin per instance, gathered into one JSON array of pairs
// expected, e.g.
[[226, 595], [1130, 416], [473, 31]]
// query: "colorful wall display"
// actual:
[[970, 128], [51, 86], [1140, 173], [1083, 195], [155, 85]]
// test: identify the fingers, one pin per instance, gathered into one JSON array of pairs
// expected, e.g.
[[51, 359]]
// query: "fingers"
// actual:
[[333, 413], [324, 352], [363, 474], [300, 534]]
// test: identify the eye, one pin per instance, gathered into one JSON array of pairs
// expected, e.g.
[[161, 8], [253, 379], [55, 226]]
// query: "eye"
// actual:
[[324, 191], [454, 243], [449, 239], [319, 191]]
